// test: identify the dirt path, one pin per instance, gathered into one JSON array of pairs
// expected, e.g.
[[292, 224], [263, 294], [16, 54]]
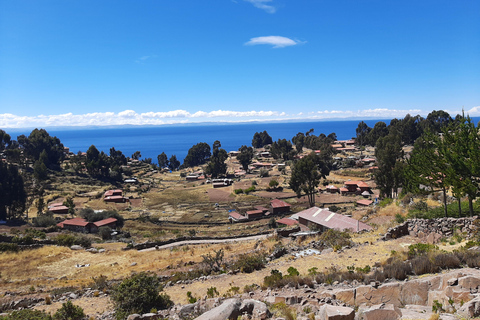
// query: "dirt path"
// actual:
[[193, 242]]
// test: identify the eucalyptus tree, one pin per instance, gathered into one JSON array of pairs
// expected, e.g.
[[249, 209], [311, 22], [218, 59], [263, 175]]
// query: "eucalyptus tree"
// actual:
[[245, 156]]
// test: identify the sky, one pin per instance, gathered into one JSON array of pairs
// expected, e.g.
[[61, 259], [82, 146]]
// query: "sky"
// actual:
[[152, 62]]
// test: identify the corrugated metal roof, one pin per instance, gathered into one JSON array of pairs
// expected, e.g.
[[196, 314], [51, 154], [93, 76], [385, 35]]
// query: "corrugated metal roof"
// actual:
[[332, 220], [277, 203], [236, 215], [287, 221], [76, 222], [105, 222]]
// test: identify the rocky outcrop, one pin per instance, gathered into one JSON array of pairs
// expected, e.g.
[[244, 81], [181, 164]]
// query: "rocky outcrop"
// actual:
[[382, 312], [233, 308], [328, 312]]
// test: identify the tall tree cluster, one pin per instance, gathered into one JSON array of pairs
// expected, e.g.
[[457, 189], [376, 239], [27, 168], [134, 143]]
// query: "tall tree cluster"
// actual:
[[261, 139], [447, 161], [217, 166], [197, 155], [13, 196]]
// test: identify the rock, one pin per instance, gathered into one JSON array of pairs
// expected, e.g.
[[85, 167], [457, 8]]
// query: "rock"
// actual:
[[471, 309], [329, 250], [328, 312], [382, 312], [416, 312], [134, 316], [415, 292], [187, 310], [76, 247], [101, 250], [133, 264], [345, 295], [255, 308], [433, 238], [469, 282], [72, 296], [150, 316], [229, 309]]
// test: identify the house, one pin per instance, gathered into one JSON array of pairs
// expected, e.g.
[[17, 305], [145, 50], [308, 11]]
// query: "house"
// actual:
[[76, 225], [234, 216], [278, 206], [82, 225], [255, 214], [357, 187], [218, 183], [324, 219], [116, 192], [262, 165], [116, 199], [364, 202], [58, 208], [331, 189]]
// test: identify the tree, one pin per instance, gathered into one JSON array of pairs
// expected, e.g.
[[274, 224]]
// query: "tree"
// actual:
[[197, 155], [299, 141], [173, 163], [117, 158], [70, 205], [136, 155], [389, 175], [39, 141], [379, 130], [463, 151], [4, 140], [436, 121], [428, 166], [362, 132], [261, 139], [139, 293], [306, 175], [245, 156], [69, 311], [162, 160], [282, 149], [13, 196], [217, 165]]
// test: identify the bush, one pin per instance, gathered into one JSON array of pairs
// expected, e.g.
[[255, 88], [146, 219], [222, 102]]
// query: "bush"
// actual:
[[248, 263], [212, 292], [44, 221], [69, 311], [27, 314], [69, 240], [139, 294], [396, 269], [273, 280], [238, 191], [12, 247], [418, 249], [422, 265], [334, 238], [447, 261], [105, 233], [248, 190]]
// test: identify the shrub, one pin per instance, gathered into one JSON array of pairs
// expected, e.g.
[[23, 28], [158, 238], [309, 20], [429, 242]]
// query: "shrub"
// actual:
[[418, 249], [66, 240], [212, 292], [397, 269], [12, 247], [238, 191], [273, 280], [248, 190], [399, 218], [69, 311], [105, 233], [293, 272], [248, 263], [447, 261], [44, 221], [191, 299], [422, 265], [334, 238], [99, 283], [27, 314], [139, 294]]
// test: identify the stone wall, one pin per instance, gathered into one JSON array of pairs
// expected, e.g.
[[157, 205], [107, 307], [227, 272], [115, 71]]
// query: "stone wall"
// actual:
[[442, 227]]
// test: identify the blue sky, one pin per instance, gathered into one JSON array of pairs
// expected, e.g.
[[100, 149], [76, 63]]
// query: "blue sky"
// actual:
[[90, 62]]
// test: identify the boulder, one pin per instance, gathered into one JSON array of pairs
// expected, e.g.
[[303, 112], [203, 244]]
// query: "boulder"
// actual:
[[76, 247], [233, 308], [387, 293], [187, 310], [345, 295], [382, 312], [469, 282], [328, 312], [255, 308], [134, 316], [471, 309], [415, 292]]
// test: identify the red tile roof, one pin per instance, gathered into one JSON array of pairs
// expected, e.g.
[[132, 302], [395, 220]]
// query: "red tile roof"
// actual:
[[105, 222], [251, 212], [277, 203], [75, 222], [332, 220]]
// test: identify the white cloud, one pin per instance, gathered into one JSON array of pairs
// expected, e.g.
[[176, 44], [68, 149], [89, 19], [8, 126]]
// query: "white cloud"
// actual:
[[262, 4], [276, 41], [142, 59], [131, 117]]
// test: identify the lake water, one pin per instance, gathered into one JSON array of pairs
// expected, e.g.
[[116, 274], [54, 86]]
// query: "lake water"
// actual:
[[177, 139]]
